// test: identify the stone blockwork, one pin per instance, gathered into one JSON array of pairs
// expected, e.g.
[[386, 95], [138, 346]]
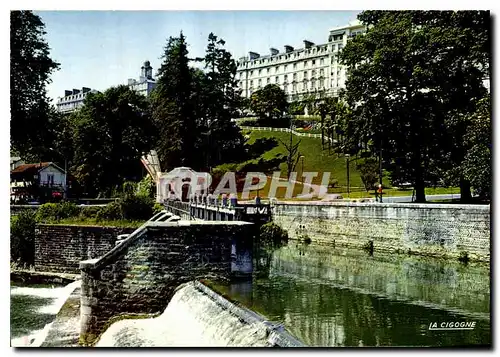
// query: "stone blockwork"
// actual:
[[61, 248], [428, 229], [141, 274]]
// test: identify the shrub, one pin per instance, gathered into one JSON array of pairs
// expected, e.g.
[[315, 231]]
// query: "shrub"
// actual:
[[22, 238], [157, 208], [136, 207], [271, 233], [333, 183], [112, 211], [57, 211], [67, 210], [89, 212], [47, 211]]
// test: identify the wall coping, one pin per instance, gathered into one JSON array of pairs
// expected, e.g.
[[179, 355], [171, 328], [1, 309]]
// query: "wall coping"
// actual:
[[386, 205], [94, 265]]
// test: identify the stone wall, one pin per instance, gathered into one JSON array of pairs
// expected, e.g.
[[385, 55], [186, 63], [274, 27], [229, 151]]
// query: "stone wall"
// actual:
[[141, 274], [430, 229], [60, 248]]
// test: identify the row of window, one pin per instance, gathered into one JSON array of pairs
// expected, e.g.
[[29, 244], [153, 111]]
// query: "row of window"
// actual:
[[286, 67], [300, 87], [290, 56], [305, 75], [73, 97]]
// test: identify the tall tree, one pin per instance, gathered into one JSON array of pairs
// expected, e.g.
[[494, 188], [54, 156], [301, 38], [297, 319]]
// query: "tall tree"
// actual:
[[110, 134], [269, 102], [404, 77], [30, 69], [173, 107], [222, 100]]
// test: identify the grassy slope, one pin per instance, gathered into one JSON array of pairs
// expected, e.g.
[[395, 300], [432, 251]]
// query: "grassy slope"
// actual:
[[316, 159]]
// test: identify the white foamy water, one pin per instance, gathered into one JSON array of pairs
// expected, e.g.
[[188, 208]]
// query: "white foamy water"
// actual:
[[59, 295], [191, 319]]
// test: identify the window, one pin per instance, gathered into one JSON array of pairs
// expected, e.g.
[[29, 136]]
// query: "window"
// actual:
[[268, 80], [286, 78], [313, 62], [260, 72], [285, 88], [286, 66], [295, 66], [50, 179], [322, 61], [305, 75], [305, 64], [276, 69], [251, 84], [277, 80], [313, 73], [251, 73], [260, 83], [313, 82], [268, 70], [321, 83], [294, 87], [321, 72], [295, 76]]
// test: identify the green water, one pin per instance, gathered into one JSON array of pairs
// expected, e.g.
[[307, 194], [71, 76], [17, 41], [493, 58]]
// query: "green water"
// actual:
[[339, 297]]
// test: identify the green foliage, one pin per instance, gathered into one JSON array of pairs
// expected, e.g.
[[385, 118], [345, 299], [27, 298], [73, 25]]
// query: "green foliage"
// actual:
[[136, 207], [112, 211], [406, 74], [109, 134], [157, 208], [30, 69], [272, 234], [89, 212], [22, 238], [145, 187], [369, 171], [55, 211], [269, 102], [333, 183]]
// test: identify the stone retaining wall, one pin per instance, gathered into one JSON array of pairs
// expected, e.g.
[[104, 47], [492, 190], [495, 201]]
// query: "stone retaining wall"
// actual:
[[60, 248], [444, 230], [140, 275]]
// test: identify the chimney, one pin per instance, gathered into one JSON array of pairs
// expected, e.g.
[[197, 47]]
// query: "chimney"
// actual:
[[253, 55], [67, 92], [274, 51], [308, 44], [76, 91], [288, 49]]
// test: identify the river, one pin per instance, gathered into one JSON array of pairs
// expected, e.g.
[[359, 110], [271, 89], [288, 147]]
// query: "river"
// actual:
[[342, 297]]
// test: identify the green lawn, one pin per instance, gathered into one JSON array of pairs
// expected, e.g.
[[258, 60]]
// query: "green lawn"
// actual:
[[392, 192], [94, 222], [315, 158]]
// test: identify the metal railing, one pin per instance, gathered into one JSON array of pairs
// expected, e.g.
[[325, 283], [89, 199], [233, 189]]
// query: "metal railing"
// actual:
[[286, 130]]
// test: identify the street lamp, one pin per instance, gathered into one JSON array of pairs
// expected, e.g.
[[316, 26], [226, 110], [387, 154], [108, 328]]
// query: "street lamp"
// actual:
[[347, 168], [302, 172]]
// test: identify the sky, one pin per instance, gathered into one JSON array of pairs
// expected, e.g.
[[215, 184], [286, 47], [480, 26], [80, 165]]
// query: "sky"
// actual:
[[100, 49]]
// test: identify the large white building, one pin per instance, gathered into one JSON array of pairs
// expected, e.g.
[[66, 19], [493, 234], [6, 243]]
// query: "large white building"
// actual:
[[72, 100], [313, 69], [146, 83]]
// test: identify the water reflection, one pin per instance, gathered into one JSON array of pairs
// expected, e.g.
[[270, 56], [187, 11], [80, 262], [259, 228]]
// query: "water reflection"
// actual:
[[339, 297]]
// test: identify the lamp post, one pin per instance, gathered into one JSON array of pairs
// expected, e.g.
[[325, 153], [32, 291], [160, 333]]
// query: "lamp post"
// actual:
[[347, 168], [302, 172]]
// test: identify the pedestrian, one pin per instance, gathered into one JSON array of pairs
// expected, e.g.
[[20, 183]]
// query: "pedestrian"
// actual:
[[379, 191]]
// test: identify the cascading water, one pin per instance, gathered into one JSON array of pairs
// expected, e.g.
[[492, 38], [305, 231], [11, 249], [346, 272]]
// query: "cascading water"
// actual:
[[195, 317], [35, 319]]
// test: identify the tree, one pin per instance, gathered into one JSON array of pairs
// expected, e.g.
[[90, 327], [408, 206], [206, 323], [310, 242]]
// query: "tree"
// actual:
[[30, 69], [369, 172], [174, 107], [221, 98], [405, 75], [110, 134], [269, 102], [477, 162]]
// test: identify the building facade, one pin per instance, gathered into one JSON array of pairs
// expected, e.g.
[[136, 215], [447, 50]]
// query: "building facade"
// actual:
[[311, 70], [146, 83], [73, 99]]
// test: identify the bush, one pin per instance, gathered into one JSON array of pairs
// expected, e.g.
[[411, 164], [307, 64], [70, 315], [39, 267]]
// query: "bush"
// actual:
[[57, 211], [271, 233], [22, 238], [112, 211], [136, 207], [157, 208], [333, 183], [89, 212]]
